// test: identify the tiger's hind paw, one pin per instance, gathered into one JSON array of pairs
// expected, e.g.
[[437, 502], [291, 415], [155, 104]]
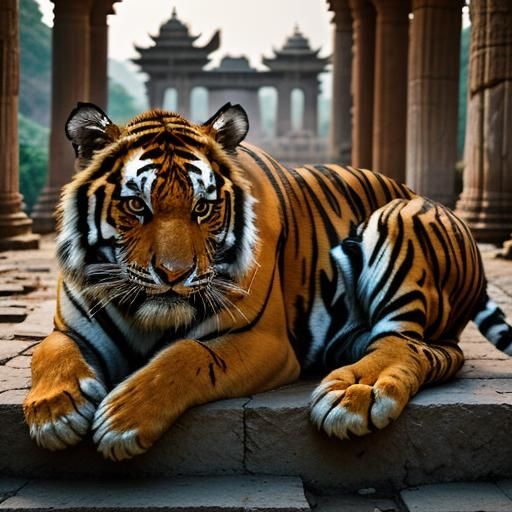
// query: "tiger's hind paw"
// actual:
[[61, 417], [344, 409]]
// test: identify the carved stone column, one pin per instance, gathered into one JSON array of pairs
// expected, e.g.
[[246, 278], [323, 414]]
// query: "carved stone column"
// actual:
[[486, 200], [183, 101], [434, 50], [98, 74], [15, 226], [340, 142], [156, 93], [70, 84], [390, 98], [363, 15], [284, 111]]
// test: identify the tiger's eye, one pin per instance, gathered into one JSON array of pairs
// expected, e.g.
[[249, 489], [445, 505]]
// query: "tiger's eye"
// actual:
[[201, 207], [135, 205], [202, 210]]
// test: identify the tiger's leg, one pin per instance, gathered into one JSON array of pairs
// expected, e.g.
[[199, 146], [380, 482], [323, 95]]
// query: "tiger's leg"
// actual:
[[412, 275], [369, 394], [188, 373], [64, 395]]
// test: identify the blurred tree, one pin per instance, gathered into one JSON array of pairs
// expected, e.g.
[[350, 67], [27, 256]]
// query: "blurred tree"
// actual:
[[463, 88], [33, 147], [35, 63], [121, 105]]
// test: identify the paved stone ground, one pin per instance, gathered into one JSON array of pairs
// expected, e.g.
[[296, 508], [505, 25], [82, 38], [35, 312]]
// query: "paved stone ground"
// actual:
[[263, 429]]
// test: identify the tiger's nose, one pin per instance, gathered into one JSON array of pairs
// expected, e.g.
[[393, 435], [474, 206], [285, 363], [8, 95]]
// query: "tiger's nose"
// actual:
[[172, 275]]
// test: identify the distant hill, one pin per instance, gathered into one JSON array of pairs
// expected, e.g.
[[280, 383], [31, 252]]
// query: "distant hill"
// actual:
[[123, 73]]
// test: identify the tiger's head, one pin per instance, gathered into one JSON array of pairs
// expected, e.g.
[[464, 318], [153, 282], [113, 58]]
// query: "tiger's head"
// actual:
[[159, 219]]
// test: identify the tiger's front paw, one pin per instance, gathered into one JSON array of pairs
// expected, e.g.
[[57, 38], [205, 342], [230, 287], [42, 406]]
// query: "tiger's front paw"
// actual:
[[60, 416], [345, 406], [128, 421]]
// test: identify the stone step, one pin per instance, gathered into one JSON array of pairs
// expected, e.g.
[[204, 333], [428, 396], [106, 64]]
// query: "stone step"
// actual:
[[459, 497], [216, 494], [454, 432]]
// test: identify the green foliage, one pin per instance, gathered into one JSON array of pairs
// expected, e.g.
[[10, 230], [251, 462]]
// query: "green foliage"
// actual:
[[33, 149], [121, 105], [35, 64], [33, 171], [463, 89], [32, 133]]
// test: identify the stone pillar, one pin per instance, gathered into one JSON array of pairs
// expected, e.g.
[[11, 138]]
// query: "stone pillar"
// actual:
[[340, 142], [15, 226], [433, 93], [363, 63], [284, 109], [156, 93], [310, 120], [390, 97], [70, 84], [183, 101], [98, 73], [486, 199]]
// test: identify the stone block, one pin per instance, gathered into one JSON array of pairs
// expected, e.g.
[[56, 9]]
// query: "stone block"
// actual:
[[457, 431], [7, 289], [19, 362], [39, 323], [11, 348], [482, 350], [10, 486], [456, 497], [14, 378], [486, 369], [351, 503], [506, 487], [13, 314], [192, 494], [206, 440]]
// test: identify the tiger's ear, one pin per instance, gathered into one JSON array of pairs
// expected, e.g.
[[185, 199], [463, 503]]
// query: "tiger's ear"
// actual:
[[89, 129], [228, 126]]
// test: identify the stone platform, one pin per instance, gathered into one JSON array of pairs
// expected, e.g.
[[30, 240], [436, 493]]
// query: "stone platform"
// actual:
[[460, 431]]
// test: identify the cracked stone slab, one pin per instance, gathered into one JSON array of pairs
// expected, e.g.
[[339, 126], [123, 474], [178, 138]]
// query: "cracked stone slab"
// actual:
[[205, 440], [39, 323], [191, 494], [506, 487], [351, 503], [457, 431], [482, 350], [486, 369], [12, 314], [10, 486], [14, 378], [11, 348], [19, 362], [456, 497]]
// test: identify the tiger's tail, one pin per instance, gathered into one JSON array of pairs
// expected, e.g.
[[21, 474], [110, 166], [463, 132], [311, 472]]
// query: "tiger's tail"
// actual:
[[492, 323]]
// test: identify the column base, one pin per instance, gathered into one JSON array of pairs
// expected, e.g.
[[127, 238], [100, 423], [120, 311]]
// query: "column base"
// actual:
[[15, 225], [487, 217], [20, 243], [506, 252], [43, 215]]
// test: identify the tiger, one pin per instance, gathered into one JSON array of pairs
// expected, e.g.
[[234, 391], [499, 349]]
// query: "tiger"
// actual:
[[194, 267]]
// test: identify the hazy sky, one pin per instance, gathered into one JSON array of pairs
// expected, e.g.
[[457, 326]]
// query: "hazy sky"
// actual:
[[247, 26]]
